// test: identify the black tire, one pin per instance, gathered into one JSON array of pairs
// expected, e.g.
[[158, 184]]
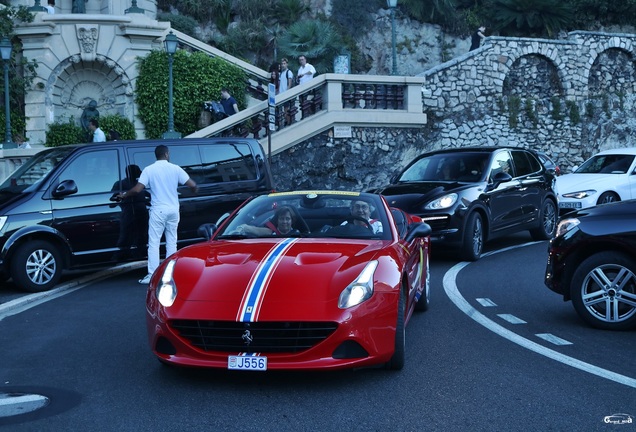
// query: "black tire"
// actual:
[[548, 217], [473, 243], [36, 266], [607, 197], [424, 301], [607, 303], [397, 361]]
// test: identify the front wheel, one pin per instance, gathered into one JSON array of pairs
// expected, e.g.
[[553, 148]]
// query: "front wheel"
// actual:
[[36, 266], [603, 291], [548, 217], [473, 242], [607, 197]]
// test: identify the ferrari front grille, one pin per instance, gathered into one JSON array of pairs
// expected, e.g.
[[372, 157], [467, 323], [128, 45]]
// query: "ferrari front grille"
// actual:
[[253, 337]]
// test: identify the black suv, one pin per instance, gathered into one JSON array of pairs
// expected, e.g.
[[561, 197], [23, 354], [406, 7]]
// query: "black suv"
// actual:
[[472, 194], [591, 261], [57, 211]]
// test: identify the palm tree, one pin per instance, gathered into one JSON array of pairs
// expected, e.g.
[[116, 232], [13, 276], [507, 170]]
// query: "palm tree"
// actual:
[[531, 17], [318, 40]]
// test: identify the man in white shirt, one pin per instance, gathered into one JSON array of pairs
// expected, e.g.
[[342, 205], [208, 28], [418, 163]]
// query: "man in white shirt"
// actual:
[[98, 134], [163, 178], [306, 71], [50, 7], [362, 210]]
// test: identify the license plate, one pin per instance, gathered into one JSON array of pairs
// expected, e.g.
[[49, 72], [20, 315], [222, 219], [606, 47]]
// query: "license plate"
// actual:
[[570, 205], [258, 363]]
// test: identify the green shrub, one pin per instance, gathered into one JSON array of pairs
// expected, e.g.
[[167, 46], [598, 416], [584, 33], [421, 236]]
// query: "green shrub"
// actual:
[[574, 112], [556, 108], [531, 112], [63, 133], [589, 110], [514, 106], [122, 125], [197, 78], [181, 23]]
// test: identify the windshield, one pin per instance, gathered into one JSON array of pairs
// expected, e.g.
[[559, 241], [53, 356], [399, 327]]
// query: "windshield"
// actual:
[[454, 167], [312, 215], [606, 164], [27, 176]]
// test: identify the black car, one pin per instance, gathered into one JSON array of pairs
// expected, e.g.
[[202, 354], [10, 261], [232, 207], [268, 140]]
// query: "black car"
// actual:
[[472, 194], [58, 210], [592, 261]]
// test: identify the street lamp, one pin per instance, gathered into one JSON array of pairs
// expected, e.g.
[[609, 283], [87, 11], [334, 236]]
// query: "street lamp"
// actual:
[[5, 51], [392, 4], [170, 43]]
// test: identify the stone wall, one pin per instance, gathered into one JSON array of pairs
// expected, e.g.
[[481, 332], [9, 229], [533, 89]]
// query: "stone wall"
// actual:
[[569, 98]]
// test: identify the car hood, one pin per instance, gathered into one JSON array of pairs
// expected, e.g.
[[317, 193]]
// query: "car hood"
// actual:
[[610, 211], [577, 182], [283, 271], [411, 196]]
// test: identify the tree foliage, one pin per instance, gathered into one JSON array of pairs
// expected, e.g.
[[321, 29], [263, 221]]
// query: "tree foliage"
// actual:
[[197, 78], [318, 40], [531, 17]]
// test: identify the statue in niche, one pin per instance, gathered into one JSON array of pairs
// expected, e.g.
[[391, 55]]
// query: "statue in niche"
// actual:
[[79, 6], [90, 112]]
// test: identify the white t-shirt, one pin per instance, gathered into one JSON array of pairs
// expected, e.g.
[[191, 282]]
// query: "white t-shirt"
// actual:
[[98, 136], [285, 75], [50, 9], [163, 178], [304, 69]]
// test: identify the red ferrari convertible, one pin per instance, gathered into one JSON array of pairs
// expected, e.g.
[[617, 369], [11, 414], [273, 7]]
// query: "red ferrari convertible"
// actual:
[[294, 280]]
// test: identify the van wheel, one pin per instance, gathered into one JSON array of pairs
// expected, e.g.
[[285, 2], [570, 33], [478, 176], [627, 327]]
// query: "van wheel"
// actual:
[[36, 266]]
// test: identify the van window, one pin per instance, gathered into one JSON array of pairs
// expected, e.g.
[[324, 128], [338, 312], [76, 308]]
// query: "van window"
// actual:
[[34, 170], [93, 172], [227, 162]]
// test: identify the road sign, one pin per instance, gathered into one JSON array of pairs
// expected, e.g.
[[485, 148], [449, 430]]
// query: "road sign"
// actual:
[[272, 119], [271, 94]]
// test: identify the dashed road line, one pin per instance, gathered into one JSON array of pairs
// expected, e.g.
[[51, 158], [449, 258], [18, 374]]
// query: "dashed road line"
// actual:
[[555, 340], [486, 302], [511, 319], [450, 287]]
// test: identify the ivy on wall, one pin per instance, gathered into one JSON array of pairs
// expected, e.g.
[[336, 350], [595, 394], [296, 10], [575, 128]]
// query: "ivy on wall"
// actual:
[[197, 78]]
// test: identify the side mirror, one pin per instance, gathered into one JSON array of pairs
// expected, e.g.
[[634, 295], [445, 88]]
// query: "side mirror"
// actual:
[[418, 229], [500, 177], [206, 230], [65, 188]]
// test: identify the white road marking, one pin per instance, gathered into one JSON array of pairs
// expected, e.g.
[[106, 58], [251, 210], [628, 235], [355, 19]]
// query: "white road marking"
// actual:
[[511, 319], [15, 405], [553, 339], [450, 287], [26, 302], [486, 302]]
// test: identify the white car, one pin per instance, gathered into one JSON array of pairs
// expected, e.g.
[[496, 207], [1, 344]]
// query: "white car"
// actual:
[[605, 177]]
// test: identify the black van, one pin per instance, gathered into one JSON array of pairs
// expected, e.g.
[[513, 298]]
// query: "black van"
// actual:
[[57, 211]]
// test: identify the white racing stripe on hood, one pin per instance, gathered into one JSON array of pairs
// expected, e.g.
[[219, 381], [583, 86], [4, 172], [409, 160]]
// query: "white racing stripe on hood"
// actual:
[[255, 292]]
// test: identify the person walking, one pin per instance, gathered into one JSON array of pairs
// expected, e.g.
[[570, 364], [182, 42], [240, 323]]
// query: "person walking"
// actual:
[[306, 71], [163, 178], [477, 37], [229, 103], [98, 134]]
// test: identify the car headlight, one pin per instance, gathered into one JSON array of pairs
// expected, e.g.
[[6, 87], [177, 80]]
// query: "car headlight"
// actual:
[[167, 289], [579, 194], [3, 220], [566, 225], [360, 289], [442, 202]]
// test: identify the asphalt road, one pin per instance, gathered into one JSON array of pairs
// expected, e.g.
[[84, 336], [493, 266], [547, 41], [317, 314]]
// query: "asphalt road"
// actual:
[[475, 362]]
